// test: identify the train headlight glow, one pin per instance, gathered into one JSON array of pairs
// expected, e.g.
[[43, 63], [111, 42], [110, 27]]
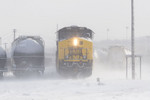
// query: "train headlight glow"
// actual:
[[75, 42]]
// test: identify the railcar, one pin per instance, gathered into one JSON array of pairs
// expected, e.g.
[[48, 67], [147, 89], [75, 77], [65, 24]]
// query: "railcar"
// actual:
[[28, 56]]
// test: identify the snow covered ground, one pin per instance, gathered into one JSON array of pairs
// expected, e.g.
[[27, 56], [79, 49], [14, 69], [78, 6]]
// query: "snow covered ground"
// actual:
[[53, 87], [69, 89]]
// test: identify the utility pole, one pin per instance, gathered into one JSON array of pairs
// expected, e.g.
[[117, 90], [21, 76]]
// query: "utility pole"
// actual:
[[57, 27], [14, 30], [107, 33], [127, 32], [5, 46], [132, 39]]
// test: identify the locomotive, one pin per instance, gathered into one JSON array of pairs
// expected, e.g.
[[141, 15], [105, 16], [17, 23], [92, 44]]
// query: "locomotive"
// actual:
[[28, 56], [74, 55], [3, 60]]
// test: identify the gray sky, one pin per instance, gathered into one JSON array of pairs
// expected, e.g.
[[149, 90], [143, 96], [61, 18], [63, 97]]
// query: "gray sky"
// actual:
[[40, 17]]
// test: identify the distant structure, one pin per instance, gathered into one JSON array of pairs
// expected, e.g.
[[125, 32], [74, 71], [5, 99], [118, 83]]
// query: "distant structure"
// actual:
[[117, 56]]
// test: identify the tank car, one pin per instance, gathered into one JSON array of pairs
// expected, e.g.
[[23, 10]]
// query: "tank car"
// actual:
[[28, 56], [3, 60], [74, 55]]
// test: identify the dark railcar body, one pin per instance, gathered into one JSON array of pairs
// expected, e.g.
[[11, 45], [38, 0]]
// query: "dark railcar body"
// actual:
[[3, 60], [28, 55]]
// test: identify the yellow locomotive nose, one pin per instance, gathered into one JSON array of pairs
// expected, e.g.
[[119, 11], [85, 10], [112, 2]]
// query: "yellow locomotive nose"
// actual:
[[75, 41]]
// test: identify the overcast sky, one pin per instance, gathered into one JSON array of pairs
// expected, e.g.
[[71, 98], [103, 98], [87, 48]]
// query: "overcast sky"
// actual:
[[40, 17]]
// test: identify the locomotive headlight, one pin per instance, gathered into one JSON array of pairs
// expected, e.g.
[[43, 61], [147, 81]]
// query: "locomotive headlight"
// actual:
[[75, 42]]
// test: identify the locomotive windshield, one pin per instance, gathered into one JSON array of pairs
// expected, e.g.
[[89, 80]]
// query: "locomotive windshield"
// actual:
[[70, 32]]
